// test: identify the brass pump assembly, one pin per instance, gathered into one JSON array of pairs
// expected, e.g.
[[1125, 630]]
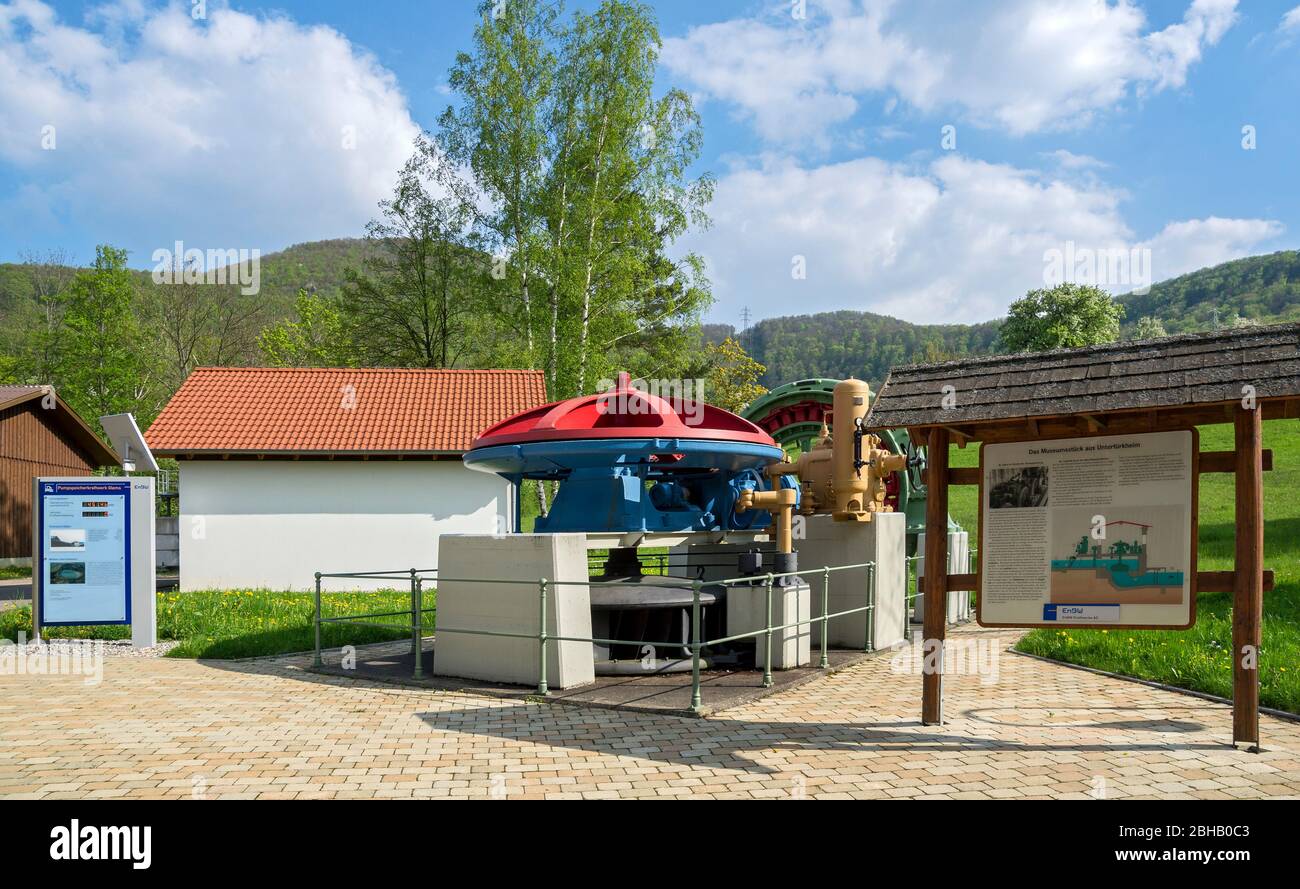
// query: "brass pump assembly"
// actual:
[[843, 475]]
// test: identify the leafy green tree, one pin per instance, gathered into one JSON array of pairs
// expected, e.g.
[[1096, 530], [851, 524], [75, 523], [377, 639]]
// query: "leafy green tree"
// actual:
[[733, 376], [31, 328], [1149, 328], [197, 324], [1065, 317], [589, 175], [414, 301], [627, 193], [106, 366], [499, 132], [317, 337]]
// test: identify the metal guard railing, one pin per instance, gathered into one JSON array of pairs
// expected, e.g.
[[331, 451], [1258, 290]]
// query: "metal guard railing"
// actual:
[[416, 578]]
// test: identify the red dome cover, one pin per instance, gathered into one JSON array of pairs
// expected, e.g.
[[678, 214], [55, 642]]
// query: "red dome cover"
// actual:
[[623, 412]]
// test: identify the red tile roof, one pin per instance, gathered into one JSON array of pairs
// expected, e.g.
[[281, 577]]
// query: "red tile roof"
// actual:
[[336, 410]]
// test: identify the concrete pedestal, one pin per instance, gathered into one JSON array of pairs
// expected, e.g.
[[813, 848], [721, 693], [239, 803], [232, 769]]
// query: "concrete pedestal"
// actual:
[[713, 561], [883, 540], [513, 607], [747, 612], [959, 607]]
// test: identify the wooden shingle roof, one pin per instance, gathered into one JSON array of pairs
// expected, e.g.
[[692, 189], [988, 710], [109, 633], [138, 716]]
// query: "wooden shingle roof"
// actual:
[[1151, 375]]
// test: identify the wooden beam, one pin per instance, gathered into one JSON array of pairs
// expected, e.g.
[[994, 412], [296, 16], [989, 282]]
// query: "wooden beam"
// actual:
[[1226, 461], [966, 582], [936, 579], [1248, 594], [962, 437], [964, 475], [1225, 581], [1123, 421], [962, 582], [1095, 424]]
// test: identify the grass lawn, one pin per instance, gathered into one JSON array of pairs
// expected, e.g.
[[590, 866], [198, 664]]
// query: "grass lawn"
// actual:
[[246, 623], [14, 572], [1200, 658]]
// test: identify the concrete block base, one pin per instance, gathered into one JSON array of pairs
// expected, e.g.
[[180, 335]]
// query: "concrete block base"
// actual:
[[513, 607], [883, 540], [747, 612]]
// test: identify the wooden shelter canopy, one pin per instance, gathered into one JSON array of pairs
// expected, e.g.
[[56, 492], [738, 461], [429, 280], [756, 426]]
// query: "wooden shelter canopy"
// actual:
[[1138, 386]]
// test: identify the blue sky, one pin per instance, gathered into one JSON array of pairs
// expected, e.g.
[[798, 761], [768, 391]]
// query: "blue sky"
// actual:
[[1103, 125]]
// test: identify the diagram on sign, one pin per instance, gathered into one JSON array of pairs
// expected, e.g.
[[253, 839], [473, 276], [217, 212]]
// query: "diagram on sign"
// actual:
[[1129, 558]]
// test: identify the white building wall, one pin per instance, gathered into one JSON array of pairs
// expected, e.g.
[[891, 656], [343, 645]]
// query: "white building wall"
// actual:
[[247, 524]]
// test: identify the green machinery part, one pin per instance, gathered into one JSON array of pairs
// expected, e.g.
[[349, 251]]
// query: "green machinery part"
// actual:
[[793, 414]]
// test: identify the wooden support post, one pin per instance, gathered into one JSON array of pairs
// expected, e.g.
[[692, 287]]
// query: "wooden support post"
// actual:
[[1248, 592], [936, 576]]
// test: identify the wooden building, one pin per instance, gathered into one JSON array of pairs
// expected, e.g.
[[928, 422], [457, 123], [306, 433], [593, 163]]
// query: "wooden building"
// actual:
[[39, 435]]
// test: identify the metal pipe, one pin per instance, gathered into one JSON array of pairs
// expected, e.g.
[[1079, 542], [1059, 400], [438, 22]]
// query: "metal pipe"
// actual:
[[826, 625], [415, 642], [541, 637], [316, 659], [418, 608], [869, 643], [767, 664], [695, 649]]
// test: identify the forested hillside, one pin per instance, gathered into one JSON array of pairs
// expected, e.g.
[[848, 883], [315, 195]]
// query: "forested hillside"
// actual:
[[1257, 289], [860, 344], [1261, 289]]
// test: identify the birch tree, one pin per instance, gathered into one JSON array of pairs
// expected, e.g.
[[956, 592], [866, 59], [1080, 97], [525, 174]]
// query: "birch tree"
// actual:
[[499, 133], [589, 177]]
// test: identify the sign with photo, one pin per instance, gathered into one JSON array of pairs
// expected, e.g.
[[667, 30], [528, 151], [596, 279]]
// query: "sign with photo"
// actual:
[[1094, 531], [84, 533]]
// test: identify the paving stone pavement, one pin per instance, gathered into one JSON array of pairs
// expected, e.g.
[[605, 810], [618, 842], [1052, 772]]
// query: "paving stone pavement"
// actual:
[[267, 729]]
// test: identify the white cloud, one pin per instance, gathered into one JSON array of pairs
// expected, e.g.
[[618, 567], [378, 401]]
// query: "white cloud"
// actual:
[[1068, 160], [954, 240], [224, 132], [795, 79], [1291, 22], [1183, 247], [1024, 65]]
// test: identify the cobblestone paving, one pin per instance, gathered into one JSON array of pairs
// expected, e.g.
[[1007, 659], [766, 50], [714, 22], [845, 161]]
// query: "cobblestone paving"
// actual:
[[177, 728]]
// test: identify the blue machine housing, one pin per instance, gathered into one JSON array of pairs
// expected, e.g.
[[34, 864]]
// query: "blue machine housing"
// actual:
[[639, 484]]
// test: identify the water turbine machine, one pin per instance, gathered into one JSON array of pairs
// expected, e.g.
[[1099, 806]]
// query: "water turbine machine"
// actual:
[[637, 471]]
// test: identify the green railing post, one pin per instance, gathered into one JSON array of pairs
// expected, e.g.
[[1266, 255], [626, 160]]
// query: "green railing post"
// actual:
[[415, 641], [417, 606], [541, 637], [767, 664], [316, 659], [696, 703], [826, 626], [869, 643]]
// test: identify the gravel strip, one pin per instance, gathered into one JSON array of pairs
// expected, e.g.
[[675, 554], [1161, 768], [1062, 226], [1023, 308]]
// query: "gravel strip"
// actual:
[[107, 648]]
